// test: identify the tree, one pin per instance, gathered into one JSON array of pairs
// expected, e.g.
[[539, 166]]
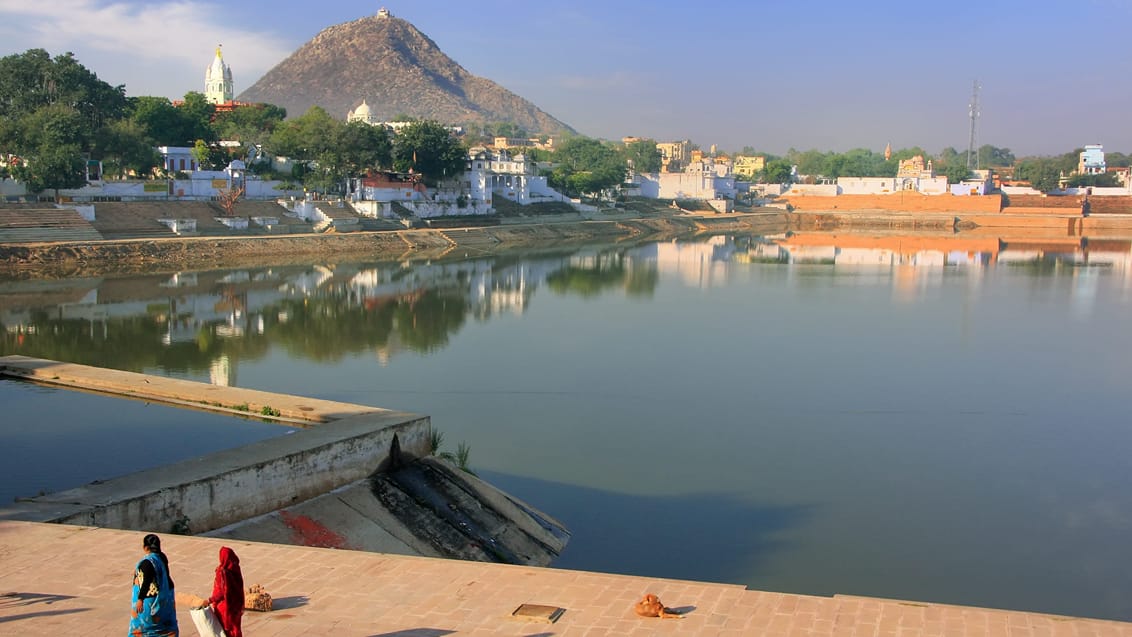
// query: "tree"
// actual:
[[956, 172], [776, 171], [584, 165], [52, 168], [429, 148], [32, 80], [228, 197], [1117, 159], [209, 156], [197, 113], [643, 156], [990, 156], [1043, 173], [810, 162], [1103, 180], [249, 124], [124, 148], [53, 125], [363, 146]]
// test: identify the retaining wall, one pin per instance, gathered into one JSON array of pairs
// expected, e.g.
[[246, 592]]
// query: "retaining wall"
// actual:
[[902, 202]]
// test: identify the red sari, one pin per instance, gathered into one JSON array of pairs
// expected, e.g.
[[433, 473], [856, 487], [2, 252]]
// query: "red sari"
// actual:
[[228, 593]]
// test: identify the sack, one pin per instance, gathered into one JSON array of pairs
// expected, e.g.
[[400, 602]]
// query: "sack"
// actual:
[[207, 623], [257, 599]]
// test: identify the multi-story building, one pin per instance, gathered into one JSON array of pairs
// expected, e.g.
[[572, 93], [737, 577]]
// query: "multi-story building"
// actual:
[[748, 165], [1091, 161], [674, 155]]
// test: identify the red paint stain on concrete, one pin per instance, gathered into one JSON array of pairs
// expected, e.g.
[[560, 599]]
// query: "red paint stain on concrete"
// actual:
[[308, 532]]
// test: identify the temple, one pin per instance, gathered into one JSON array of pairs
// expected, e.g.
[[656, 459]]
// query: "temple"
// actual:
[[218, 88]]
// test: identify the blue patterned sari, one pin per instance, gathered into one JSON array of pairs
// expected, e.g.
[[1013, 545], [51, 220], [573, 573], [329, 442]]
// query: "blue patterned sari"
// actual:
[[158, 616]]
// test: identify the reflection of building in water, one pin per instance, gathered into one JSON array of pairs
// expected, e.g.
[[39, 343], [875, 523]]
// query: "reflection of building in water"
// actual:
[[698, 264], [508, 290], [886, 251], [237, 304], [222, 372], [307, 283]]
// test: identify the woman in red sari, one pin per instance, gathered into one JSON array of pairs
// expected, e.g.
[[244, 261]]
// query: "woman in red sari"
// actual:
[[228, 593]]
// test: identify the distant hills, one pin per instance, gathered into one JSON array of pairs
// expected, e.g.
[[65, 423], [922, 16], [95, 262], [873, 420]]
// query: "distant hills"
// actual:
[[397, 70]]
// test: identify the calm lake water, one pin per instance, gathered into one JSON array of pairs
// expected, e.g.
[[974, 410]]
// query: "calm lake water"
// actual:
[[930, 419]]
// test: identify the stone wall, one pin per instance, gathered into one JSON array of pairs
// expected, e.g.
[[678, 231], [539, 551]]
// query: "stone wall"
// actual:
[[897, 202]]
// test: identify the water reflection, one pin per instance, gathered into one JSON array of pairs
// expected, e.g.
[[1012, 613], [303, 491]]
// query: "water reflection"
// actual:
[[193, 322]]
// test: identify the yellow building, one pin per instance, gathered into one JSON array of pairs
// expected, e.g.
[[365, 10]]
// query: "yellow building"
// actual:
[[674, 155], [748, 166]]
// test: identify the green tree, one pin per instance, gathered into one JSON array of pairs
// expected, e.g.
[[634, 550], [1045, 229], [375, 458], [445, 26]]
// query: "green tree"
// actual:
[[162, 123], [991, 156], [198, 113], [584, 165], [429, 148], [1117, 159], [51, 141], [32, 80], [776, 171], [956, 171], [810, 162], [51, 126], [949, 156], [1043, 174], [124, 148], [209, 156], [1104, 180], [52, 168], [643, 156], [249, 124], [363, 146]]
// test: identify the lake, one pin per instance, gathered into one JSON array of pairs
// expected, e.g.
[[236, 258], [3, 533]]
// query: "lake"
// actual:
[[926, 418]]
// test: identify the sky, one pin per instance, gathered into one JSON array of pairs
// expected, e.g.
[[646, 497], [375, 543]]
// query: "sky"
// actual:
[[1054, 75]]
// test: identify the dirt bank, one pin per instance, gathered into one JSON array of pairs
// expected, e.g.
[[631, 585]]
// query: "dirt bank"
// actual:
[[96, 258], [93, 258]]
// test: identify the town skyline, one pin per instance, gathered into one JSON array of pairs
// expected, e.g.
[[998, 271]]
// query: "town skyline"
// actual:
[[820, 75]]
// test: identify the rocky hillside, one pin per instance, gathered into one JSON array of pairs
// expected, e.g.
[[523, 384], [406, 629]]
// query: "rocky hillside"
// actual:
[[397, 70]]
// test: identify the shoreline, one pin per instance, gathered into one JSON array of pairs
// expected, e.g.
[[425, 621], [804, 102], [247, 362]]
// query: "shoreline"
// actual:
[[127, 256]]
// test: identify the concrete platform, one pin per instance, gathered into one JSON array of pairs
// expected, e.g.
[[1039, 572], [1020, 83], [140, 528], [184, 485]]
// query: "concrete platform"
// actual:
[[70, 580], [355, 477]]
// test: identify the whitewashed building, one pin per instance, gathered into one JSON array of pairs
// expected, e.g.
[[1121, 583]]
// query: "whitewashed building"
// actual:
[[177, 159], [702, 179], [494, 173], [218, 86]]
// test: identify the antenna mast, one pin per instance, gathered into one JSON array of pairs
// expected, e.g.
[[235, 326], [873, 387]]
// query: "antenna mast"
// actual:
[[972, 152]]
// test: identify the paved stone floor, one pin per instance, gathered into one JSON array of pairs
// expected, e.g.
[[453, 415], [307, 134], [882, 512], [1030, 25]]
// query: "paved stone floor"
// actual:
[[69, 580]]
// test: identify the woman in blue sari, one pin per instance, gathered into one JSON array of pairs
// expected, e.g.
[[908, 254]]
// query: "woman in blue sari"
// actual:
[[153, 611]]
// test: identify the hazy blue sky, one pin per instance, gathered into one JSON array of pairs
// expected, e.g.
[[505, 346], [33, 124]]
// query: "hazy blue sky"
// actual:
[[773, 74]]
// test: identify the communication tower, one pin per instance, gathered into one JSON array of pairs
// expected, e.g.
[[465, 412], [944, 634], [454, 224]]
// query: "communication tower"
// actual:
[[972, 151]]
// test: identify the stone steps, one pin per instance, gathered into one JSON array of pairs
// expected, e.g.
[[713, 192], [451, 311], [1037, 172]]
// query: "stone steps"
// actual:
[[37, 225]]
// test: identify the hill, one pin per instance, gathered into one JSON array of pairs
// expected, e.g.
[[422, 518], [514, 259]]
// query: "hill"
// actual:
[[397, 70]]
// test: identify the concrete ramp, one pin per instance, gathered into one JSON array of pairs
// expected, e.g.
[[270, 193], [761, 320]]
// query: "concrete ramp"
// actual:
[[426, 507]]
